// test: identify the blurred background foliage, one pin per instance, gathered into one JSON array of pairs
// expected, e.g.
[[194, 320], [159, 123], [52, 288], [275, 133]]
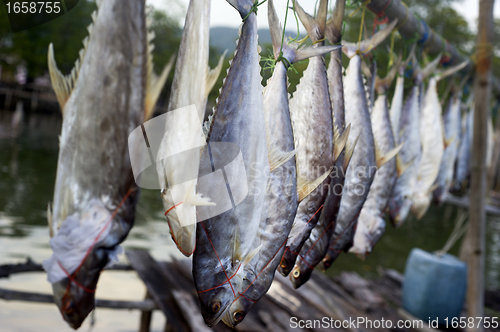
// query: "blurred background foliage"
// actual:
[[67, 32]]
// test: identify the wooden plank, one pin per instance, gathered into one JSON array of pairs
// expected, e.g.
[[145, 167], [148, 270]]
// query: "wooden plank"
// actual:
[[7, 270], [145, 324], [10, 295], [159, 287]]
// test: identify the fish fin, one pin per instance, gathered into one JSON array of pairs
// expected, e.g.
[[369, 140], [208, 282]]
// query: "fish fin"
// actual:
[[213, 74], [274, 28], [341, 143], [382, 159], [251, 255], [309, 52], [305, 188], [155, 85], [431, 67], [447, 142], [400, 167], [236, 248], [369, 44], [333, 29], [277, 157], [452, 70], [349, 151], [61, 84], [315, 26]]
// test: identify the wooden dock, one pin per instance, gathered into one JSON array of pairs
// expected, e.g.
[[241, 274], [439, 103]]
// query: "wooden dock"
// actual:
[[170, 288]]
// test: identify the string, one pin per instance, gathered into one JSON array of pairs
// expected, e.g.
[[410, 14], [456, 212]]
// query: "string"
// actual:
[[254, 9]]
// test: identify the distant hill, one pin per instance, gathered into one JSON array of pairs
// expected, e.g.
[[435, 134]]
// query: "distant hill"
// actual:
[[224, 38]]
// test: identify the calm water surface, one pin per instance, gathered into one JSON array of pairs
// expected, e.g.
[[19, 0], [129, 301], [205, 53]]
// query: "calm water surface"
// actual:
[[27, 176]]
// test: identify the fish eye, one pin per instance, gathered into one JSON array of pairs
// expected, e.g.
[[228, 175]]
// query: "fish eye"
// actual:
[[283, 264], [216, 307], [238, 316], [296, 273]]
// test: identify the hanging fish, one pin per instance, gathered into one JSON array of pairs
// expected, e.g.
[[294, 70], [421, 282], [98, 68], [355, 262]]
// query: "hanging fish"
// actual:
[[224, 243], [364, 161], [433, 144], [451, 121], [397, 99], [409, 156], [282, 197], [371, 223], [108, 94], [193, 81], [316, 246], [462, 171], [312, 122]]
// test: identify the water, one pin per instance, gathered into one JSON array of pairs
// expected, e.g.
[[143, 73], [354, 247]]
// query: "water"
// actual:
[[27, 176]]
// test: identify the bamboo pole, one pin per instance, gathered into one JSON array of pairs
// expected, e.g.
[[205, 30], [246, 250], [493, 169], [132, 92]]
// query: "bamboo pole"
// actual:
[[477, 223]]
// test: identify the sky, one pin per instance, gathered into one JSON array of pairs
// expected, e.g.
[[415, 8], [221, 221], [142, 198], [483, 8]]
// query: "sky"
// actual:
[[222, 14]]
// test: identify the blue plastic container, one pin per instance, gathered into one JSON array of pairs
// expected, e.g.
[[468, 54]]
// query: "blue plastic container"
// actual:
[[434, 286]]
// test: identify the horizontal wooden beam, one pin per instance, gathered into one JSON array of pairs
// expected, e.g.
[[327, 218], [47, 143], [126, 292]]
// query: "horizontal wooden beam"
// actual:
[[10, 295]]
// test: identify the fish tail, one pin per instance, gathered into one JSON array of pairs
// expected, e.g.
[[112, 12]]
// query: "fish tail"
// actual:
[[333, 29], [315, 26], [368, 45], [244, 7], [290, 53]]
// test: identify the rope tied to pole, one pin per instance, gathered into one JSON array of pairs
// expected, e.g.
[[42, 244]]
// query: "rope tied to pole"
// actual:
[[406, 17]]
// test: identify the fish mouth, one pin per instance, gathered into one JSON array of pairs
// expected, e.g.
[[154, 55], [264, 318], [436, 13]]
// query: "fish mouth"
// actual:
[[298, 277], [74, 303], [211, 321]]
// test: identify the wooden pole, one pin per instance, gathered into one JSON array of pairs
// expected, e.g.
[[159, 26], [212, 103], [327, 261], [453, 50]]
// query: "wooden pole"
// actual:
[[476, 230]]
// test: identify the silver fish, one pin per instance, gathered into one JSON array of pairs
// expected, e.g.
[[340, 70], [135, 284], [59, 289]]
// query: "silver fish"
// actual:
[[316, 246], [363, 164], [432, 138], [462, 170], [371, 223], [312, 122], [282, 197], [106, 96], [193, 81], [397, 99], [409, 156], [451, 120], [224, 244]]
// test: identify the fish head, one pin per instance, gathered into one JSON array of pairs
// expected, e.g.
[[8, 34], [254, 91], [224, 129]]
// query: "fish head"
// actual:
[[82, 247], [75, 301], [439, 195], [237, 311], [215, 303], [287, 262], [331, 256], [421, 203], [300, 274], [399, 207]]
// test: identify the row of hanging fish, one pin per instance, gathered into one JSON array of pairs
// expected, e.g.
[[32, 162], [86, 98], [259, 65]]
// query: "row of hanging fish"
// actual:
[[317, 173]]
